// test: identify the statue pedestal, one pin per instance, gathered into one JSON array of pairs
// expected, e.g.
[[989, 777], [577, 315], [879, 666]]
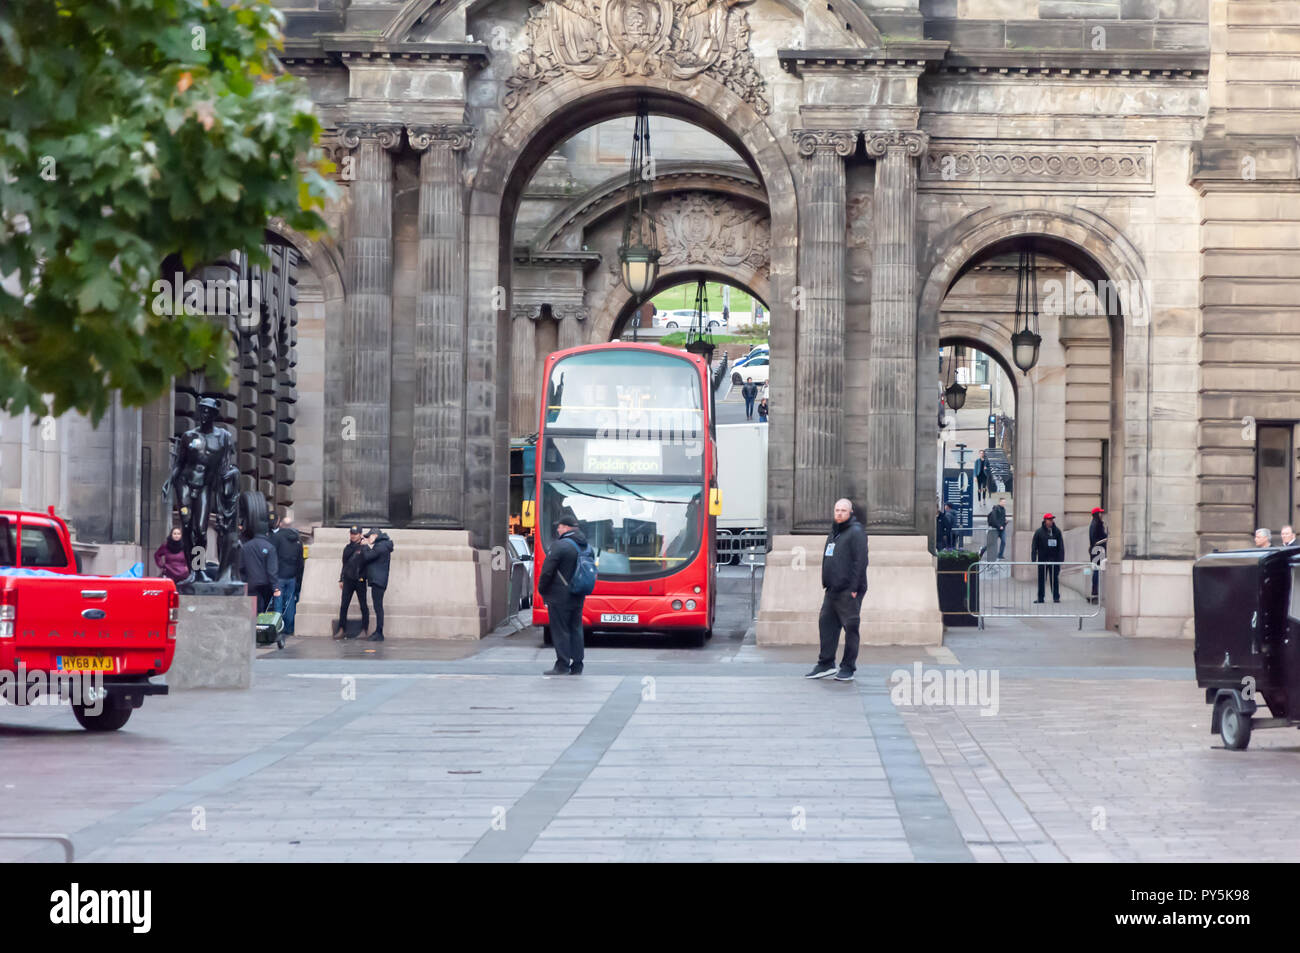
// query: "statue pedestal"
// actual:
[[901, 607], [214, 642], [436, 586]]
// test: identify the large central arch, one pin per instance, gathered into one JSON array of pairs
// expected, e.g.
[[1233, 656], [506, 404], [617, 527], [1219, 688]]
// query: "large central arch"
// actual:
[[521, 143]]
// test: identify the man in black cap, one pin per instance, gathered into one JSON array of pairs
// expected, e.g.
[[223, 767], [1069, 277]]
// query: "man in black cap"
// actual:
[[351, 580], [564, 608]]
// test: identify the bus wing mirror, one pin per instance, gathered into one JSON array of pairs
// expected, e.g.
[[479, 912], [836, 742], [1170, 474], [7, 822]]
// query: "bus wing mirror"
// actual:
[[715, 502], [529, 516]]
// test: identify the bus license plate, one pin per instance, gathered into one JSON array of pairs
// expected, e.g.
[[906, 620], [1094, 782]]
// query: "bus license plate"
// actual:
[[619, 617], [85, 663]]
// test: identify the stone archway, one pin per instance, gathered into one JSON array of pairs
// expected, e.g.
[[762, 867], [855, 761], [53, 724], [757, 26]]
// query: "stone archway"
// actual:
[[1096, 250], [522, 142], [611, 320]]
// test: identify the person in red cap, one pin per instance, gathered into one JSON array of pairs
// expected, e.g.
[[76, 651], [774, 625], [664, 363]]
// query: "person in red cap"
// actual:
[[1097, 535], [1048, 547]]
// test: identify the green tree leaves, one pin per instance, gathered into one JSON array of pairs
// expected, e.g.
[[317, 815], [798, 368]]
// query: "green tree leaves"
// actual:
[[131, 130]]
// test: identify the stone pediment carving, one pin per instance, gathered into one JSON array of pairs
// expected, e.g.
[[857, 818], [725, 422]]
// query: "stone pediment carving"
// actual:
[[677, 39], [696, 228]]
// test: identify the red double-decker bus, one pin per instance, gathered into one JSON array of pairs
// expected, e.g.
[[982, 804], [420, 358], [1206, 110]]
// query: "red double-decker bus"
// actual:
[[626, 446]]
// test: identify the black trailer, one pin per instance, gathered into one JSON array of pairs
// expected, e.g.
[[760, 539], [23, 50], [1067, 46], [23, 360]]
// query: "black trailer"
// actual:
[[1247, 606]]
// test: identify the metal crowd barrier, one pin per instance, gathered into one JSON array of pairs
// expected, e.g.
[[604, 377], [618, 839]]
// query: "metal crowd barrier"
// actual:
[[1009, 590], [63, 840], [732, 547]]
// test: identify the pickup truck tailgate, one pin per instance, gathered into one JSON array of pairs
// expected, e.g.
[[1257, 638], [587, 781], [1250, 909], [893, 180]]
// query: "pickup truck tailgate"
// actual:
[[80, 623]]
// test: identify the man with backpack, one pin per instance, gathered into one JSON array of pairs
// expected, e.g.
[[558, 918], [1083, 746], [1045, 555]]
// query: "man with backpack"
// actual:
[[567, 578]]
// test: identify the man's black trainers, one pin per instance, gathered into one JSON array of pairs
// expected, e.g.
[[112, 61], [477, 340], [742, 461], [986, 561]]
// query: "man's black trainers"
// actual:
[[576, 670], [557, 669], [844, 674], [821, 670]]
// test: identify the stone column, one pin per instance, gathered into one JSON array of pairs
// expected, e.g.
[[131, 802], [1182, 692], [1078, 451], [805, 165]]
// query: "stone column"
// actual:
[[573, 325], [523, 370], [819, 370], [367, 337], [438, 464], [891, 424]]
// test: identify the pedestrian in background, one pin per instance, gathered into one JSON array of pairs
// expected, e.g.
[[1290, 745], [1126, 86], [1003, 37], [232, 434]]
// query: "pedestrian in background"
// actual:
[[259, 569], [982, 477], [998, 520], [1048, 549], [562, 604], [351, 581], [844, 577], [1097, 535], [762, 411], [1263, 538], [1288, 536], [170, 557], [749, 391], [378, 549], [288, 555], [943, 529]]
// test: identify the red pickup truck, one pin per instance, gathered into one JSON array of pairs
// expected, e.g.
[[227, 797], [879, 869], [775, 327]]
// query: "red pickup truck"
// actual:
[[58, 622]]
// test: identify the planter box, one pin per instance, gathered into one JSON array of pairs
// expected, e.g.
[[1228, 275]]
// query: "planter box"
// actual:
[[953, 596]]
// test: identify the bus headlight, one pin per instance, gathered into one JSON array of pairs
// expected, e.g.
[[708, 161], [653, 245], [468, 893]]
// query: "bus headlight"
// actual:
[[697, 590], [690, 603], [677, 604]]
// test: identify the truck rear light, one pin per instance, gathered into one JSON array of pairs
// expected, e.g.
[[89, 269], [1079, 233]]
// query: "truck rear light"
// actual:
[[8, 612], [173, 613]]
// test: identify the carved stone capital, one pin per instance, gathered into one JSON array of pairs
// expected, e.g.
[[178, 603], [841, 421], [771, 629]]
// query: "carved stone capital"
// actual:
[[812, 141], [389, 135], [460, 136], [913, 141], [577, 312]]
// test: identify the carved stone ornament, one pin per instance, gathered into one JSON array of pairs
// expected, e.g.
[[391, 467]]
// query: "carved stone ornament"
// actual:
[[1036, 162], [460, 136], [388, 134], [911, 140], [677, 39], [696, 228], [811, 141]]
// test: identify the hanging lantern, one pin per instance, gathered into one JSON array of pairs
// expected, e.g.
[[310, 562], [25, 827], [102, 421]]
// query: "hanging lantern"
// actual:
[[1026, 339], [955, 396], [638, 253], [699, 339]]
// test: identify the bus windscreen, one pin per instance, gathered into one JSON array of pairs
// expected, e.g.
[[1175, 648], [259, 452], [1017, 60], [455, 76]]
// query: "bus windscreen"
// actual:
[[626, 395]]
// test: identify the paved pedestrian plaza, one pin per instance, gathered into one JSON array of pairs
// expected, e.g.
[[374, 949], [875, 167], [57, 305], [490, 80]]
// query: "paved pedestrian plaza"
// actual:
[[1094, 748]]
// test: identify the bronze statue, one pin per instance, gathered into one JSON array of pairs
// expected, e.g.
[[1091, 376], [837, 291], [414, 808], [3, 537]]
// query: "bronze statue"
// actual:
[[206, 484]]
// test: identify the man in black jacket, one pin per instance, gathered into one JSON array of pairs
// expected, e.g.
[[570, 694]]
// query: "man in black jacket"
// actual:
[[1097, 535], [750, 392], [257, 566], [563, 607], [352, 581], [844, 577], [377, 550], [998, 520], [982, 476], [288, 556], [1048, 547]]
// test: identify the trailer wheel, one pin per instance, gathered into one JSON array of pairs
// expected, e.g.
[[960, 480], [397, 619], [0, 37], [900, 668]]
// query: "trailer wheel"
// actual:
[[110, 717], [1234, 727]]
